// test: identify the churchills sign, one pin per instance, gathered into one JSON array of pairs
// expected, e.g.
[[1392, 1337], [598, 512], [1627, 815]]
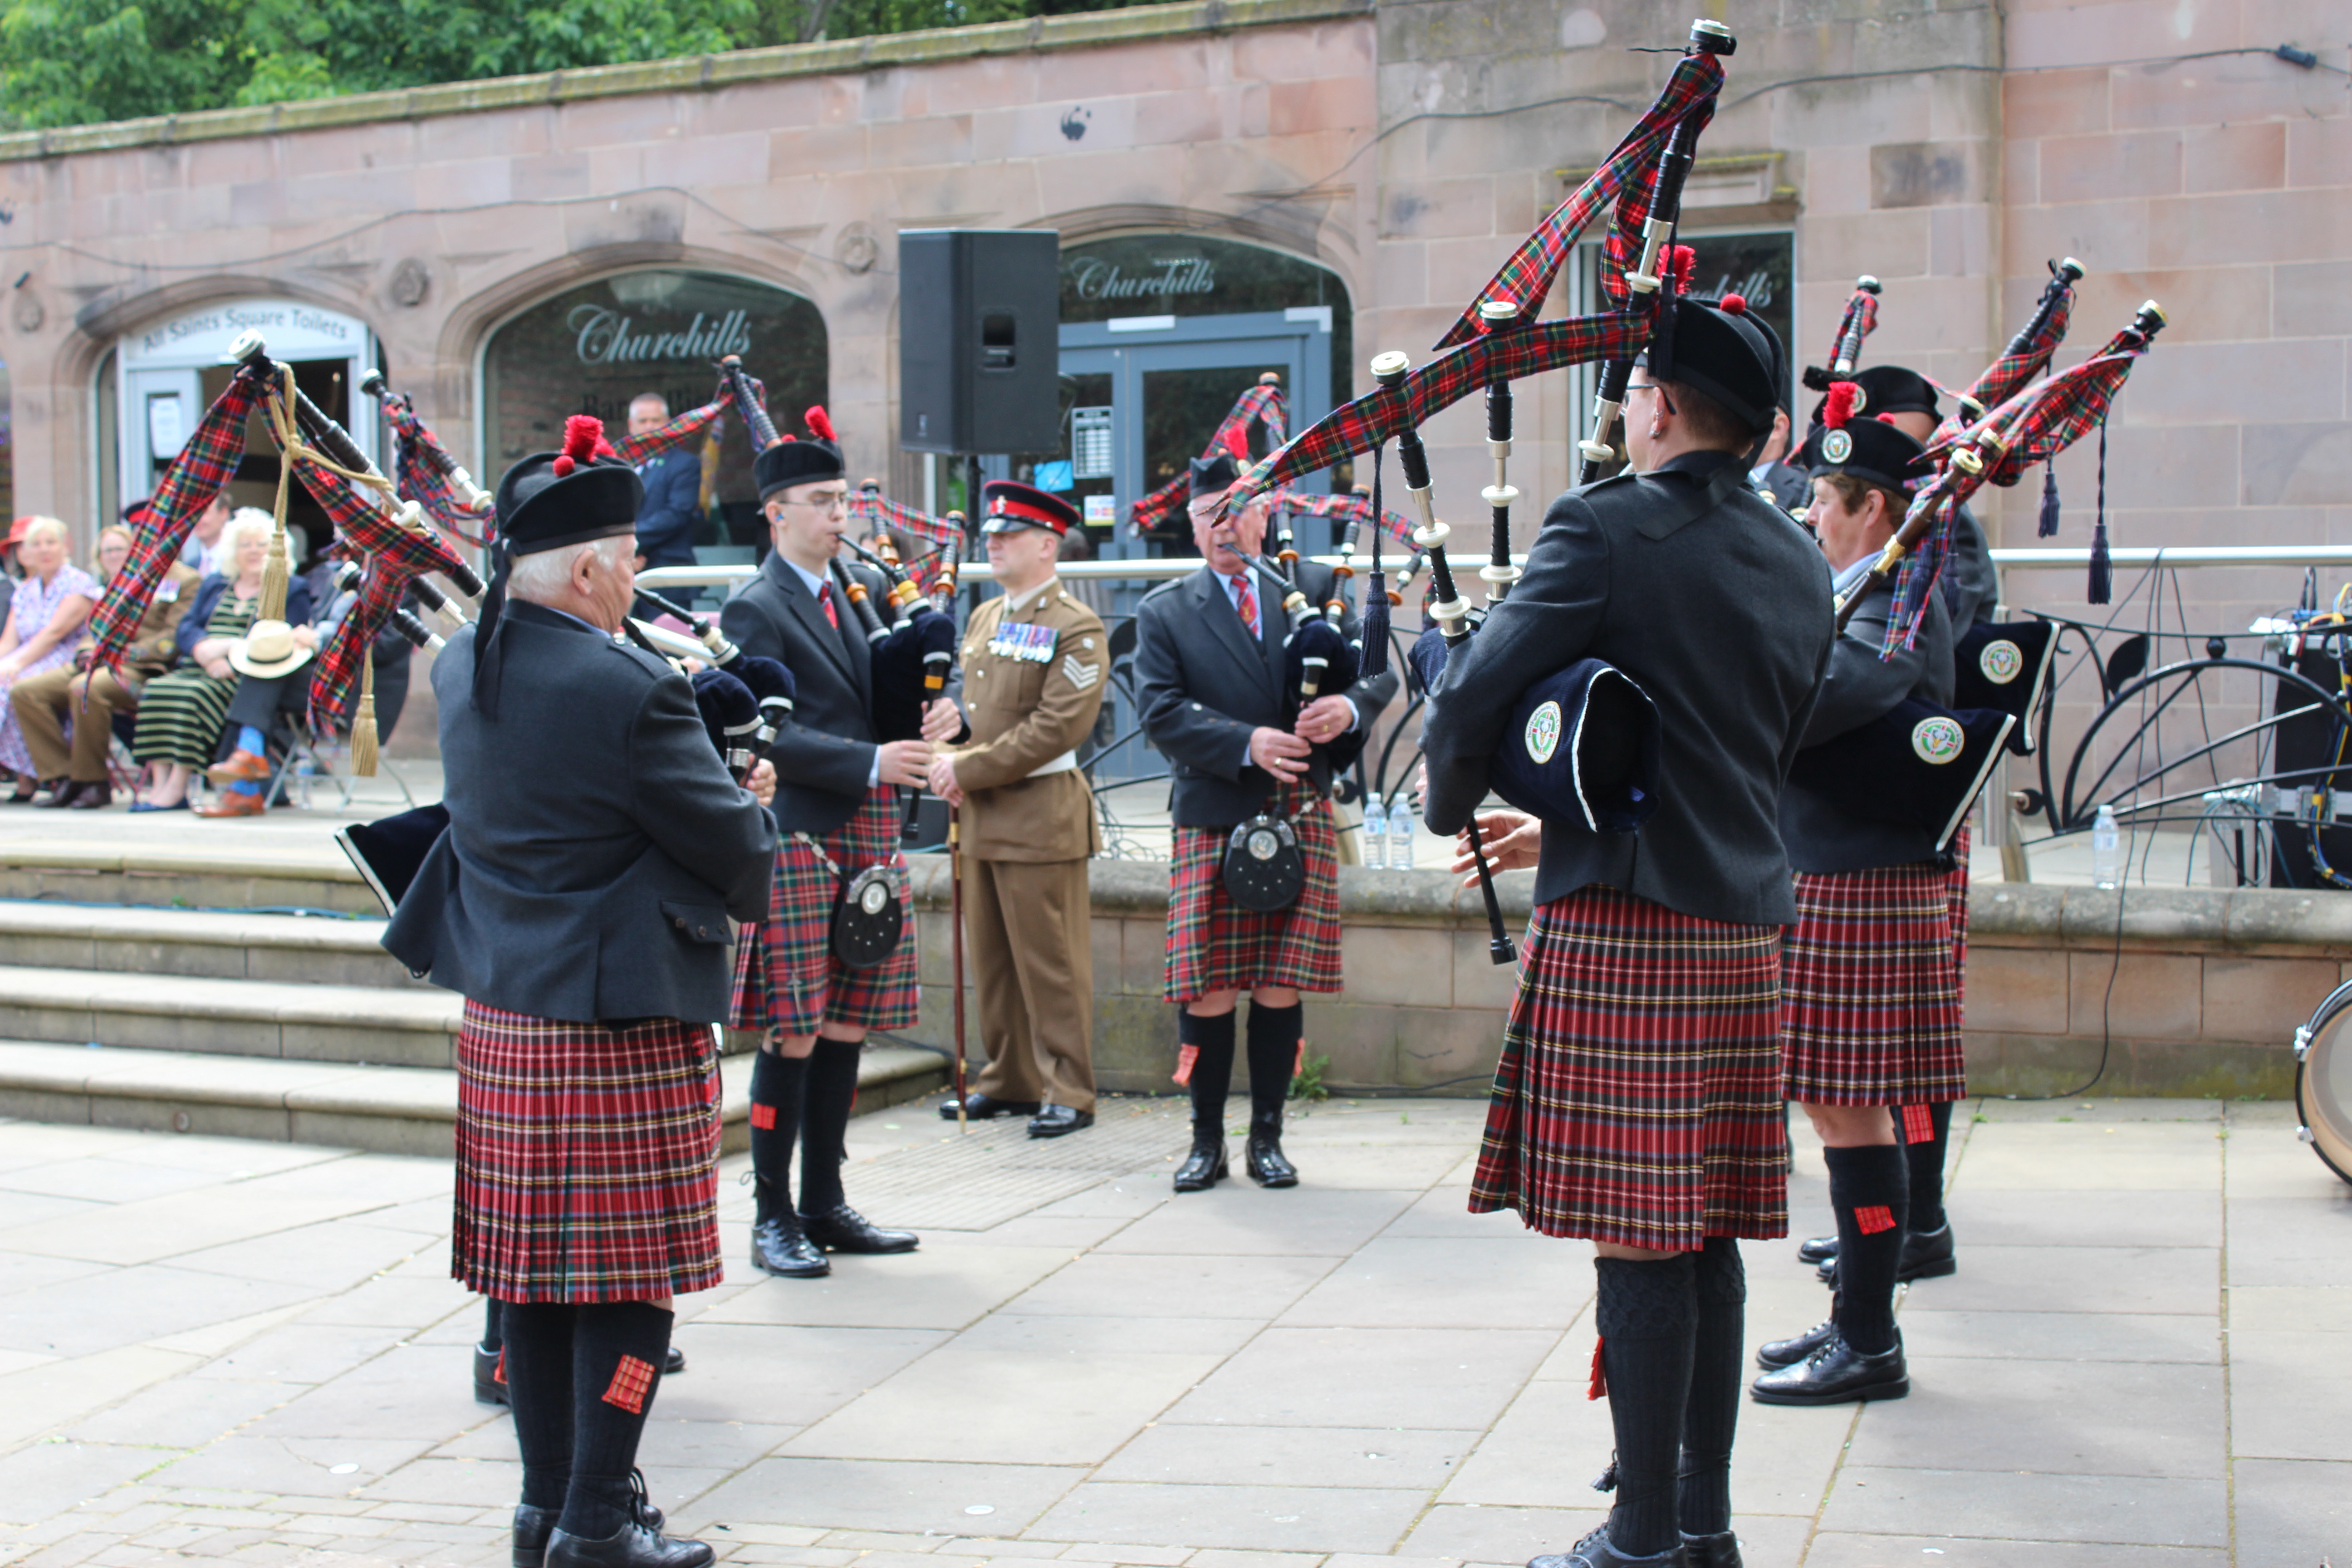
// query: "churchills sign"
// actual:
[[1091, 278], [605, 336]]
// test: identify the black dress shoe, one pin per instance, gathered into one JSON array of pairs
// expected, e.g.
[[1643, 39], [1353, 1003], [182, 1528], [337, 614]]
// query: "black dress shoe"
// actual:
[[532, 1526], [1820, 1249], [1056, 1121], [1837, 1373], [489, 1389], [1263, 1157], [1927, 1254], [61, 793], [983, 1107], [1594, 1551], [639, 1543], [779, 1245], [673, 1362], [1204, 1167], [1775, 1353], [843, 1229], [1720, 1550], [92, 796]]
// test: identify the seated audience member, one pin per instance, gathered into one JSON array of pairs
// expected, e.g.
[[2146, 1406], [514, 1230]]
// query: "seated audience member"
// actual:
[[66, 714], [50, 605], [180, 714]]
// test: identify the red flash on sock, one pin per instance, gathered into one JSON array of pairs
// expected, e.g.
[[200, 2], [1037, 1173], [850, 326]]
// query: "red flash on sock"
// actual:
[[1874, 1218], [763, 1117], [633, 1380], [1598, 1388], [500, 1376], [1185, 1057], [1918, 1124]]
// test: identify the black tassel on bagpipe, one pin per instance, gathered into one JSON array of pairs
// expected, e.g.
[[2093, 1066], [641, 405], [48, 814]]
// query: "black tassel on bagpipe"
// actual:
[[2048, 528], [1375, 628], [2103, 565]]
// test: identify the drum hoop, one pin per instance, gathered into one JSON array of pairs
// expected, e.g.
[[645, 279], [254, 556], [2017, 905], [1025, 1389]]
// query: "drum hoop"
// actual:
[[2317, 1038]]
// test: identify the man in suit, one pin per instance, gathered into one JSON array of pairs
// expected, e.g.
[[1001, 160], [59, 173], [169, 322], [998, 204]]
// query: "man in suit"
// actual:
[[1212, 692], [1638, 1100], [45, 702], [579, 899], [838, 808], [1034, 660], [673, 481]]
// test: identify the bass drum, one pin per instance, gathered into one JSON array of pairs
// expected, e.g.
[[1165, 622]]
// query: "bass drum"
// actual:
[[2323, 1081]]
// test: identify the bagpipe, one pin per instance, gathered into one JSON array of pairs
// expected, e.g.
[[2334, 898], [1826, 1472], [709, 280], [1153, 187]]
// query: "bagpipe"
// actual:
[[914, 653], [743, 698], [1318, 658], [427, 473]]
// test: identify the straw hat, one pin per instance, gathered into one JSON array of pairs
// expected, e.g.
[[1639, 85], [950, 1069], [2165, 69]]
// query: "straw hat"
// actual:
[[267, 650]]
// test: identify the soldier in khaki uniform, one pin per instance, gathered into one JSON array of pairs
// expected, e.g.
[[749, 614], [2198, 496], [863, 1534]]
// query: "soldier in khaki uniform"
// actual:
[[1033, 663]]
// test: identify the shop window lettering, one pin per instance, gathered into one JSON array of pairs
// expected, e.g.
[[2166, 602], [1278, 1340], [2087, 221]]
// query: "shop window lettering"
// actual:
[[1091, 278], [603, 336]]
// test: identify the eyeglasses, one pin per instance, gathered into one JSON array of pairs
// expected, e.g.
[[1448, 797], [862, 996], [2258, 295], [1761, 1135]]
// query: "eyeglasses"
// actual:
[[1652, 386], [831, 500]]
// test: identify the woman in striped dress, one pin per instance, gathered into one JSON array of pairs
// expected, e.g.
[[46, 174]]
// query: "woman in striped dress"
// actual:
[[180, 713], [44, 620]]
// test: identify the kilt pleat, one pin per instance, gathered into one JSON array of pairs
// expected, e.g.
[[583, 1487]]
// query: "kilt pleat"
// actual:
[[786, 977], [1214, 945], [1870, 986], [1638, 1096], [587, 1159], [1959, 912]]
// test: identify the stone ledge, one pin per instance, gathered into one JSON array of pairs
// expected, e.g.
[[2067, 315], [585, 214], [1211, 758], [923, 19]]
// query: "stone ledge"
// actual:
[[153, 860], [697, 73], [1138, 889], [2273, 921]]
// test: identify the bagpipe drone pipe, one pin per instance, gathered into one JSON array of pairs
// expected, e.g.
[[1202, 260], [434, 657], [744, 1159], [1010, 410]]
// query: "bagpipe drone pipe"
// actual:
[[915, 659]]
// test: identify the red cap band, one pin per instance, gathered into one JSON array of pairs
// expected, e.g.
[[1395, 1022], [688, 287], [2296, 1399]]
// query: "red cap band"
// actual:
[[1003, 506]]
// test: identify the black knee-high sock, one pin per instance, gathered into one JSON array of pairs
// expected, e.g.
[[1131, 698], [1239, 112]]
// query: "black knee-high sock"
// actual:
[[493, 1336], [1647, 1314], [1211, 1041], [1926, 1129], [1868, 1189], [617, 1349], [537, 1336], [779, 1083], [1274, 1035], [825, 1123], [1711, 1414]]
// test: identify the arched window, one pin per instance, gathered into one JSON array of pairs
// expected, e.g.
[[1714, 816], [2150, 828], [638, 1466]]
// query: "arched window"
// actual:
[[592, 349]]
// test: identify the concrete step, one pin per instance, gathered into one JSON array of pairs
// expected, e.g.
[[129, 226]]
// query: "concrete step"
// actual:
[[282, 872], [414, 1028], [386, 1109], [147, 939]]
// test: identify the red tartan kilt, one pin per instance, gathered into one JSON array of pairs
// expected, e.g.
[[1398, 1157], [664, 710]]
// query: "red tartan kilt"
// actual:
[[1215, 944], [1638, 1097], [786, 977], [587, 1159], [1871, 990]]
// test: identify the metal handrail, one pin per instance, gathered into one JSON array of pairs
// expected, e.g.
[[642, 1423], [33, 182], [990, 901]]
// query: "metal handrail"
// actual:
[[1155, 570]]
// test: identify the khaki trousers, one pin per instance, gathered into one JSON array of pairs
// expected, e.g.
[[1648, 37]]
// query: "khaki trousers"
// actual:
[[1032, 964], [42, 703]]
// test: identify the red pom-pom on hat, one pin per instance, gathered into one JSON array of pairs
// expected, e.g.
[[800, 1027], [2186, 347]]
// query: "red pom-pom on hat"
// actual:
[[1839, 406], [1236, 441], [1734, 304], [820, 424], [582, 434], [1886, 418]]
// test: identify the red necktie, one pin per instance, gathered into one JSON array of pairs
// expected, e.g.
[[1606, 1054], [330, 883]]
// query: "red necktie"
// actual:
[[1246, 603], [825, 597]]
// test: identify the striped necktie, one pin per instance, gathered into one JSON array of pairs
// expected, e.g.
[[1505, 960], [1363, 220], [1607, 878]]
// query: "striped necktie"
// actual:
[[1245, 603]]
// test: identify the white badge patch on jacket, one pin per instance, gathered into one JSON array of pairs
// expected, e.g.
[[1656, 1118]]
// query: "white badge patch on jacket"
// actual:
[[1082, 676], [1032, 644]]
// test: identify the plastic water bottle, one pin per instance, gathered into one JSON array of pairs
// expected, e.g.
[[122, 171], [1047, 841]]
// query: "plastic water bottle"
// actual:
[[1376, 831], [1401, 833], [2106, 848]]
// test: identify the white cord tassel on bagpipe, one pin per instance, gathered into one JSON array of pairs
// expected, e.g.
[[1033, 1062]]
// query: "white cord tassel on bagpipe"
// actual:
[[277, 565], [363, 741]]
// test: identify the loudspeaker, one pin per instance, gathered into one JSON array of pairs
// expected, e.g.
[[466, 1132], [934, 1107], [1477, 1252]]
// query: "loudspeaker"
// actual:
[[2307, 744], [980, 334]]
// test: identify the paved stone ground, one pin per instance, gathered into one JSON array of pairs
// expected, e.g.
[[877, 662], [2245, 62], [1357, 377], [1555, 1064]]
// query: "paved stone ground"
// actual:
[[218, 1350]]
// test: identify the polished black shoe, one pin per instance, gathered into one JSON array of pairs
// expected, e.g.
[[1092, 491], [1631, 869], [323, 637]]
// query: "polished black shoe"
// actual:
[[1057, 1120], [1594, 1551], [673, 1362], [1927, 1254], [639, 1543], [843, 1229], [61, 793], [532, 1526], [1776, 1353], [1837, 1373], [488, 1387], [1262, 1156], [984, 1108], [1820, 1249], [779, 1245], [1720, 1550], [1204, 1167]]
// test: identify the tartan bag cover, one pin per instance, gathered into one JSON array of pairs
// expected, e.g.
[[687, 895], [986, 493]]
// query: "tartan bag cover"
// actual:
[[2027, 356], [1343, 508], [1526, 278], [872, 511], [587, 1158], [680, 429], [1215, 944], [1264, 402], [1870, 989], [204, 465], [1638, 1096], [416, 476], [786, 977]]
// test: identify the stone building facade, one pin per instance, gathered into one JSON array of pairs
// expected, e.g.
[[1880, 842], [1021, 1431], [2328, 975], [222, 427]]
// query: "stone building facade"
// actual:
[[1386, 156]]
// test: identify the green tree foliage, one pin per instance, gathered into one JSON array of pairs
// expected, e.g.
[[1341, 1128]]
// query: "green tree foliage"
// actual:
[[72, 62]]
